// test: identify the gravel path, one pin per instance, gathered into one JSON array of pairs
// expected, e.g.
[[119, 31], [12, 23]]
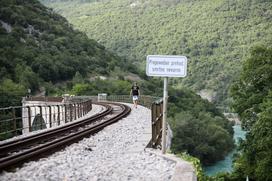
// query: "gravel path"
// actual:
[[115, 153]]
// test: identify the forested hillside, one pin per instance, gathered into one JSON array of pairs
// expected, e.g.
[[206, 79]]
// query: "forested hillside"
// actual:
[[39, 48], [41, 51], [214, 34]]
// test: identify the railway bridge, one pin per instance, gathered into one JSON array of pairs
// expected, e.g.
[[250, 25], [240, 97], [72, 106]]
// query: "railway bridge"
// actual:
[[129, 149]]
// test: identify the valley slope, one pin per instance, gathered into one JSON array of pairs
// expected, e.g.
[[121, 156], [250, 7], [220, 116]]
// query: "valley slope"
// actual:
[[40, 48], [215, 35]]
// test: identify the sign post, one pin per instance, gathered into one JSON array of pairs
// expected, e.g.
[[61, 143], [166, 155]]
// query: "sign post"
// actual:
[[166, 66], [164, 116]]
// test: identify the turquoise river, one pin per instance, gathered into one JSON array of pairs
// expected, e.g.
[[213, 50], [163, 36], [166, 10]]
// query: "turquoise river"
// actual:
[[226, 164]]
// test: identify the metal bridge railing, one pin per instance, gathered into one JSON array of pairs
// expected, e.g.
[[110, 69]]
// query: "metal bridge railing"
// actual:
[[14, 119], [44, 99], [156, 119], [144, 100], [23, 119]]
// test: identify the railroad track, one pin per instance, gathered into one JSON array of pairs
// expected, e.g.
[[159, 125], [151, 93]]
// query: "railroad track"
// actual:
[[14, 153]]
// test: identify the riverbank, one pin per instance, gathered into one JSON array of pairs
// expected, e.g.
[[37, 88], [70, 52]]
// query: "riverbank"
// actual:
[[226, 164]]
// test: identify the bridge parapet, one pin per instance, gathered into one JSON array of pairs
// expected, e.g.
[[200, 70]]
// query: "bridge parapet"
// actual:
[[38, 113], [45, 112]]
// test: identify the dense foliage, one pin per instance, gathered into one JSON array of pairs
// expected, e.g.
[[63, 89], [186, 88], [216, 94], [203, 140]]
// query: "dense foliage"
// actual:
[[253, 86], [252, 94], [199, 128], [214, 35], [117, 87], [38, 46]]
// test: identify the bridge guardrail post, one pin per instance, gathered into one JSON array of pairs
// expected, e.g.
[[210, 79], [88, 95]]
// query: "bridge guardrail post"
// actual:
[[91, 102], [161, 119], [65, 113], [14, 121], [78, 109], [58, 117], [55, 114], [29, 119], [41, 115], [71, 112], [158, 124], [75, 111], [50, 117], [83, 108], [86, 107], [89, 106]]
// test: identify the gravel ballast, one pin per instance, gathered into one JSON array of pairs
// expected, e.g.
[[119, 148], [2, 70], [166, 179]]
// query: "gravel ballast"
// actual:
[[115, 153]]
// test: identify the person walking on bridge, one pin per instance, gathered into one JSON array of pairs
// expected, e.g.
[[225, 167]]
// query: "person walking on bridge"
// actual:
[[135, 92]]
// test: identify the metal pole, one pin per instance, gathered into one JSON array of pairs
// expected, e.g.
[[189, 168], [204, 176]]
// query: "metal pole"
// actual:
[[14, 121], [41, 117], [153, 121], [58, 106], [71, 112], [165, 96], [29, 119], [65, 113], [50, 117], [75, 111]]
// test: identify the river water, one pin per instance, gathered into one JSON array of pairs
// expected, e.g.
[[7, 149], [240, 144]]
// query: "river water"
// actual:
[[226, 164]]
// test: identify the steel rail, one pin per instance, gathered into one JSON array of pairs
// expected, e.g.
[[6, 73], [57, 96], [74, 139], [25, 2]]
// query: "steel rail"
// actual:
[[52, 146]]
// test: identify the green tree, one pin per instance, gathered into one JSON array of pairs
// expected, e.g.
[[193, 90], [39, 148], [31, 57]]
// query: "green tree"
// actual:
[[78, 78], [200, 137], [252, 95], [253, 85], [199, 128], [11, 93]]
